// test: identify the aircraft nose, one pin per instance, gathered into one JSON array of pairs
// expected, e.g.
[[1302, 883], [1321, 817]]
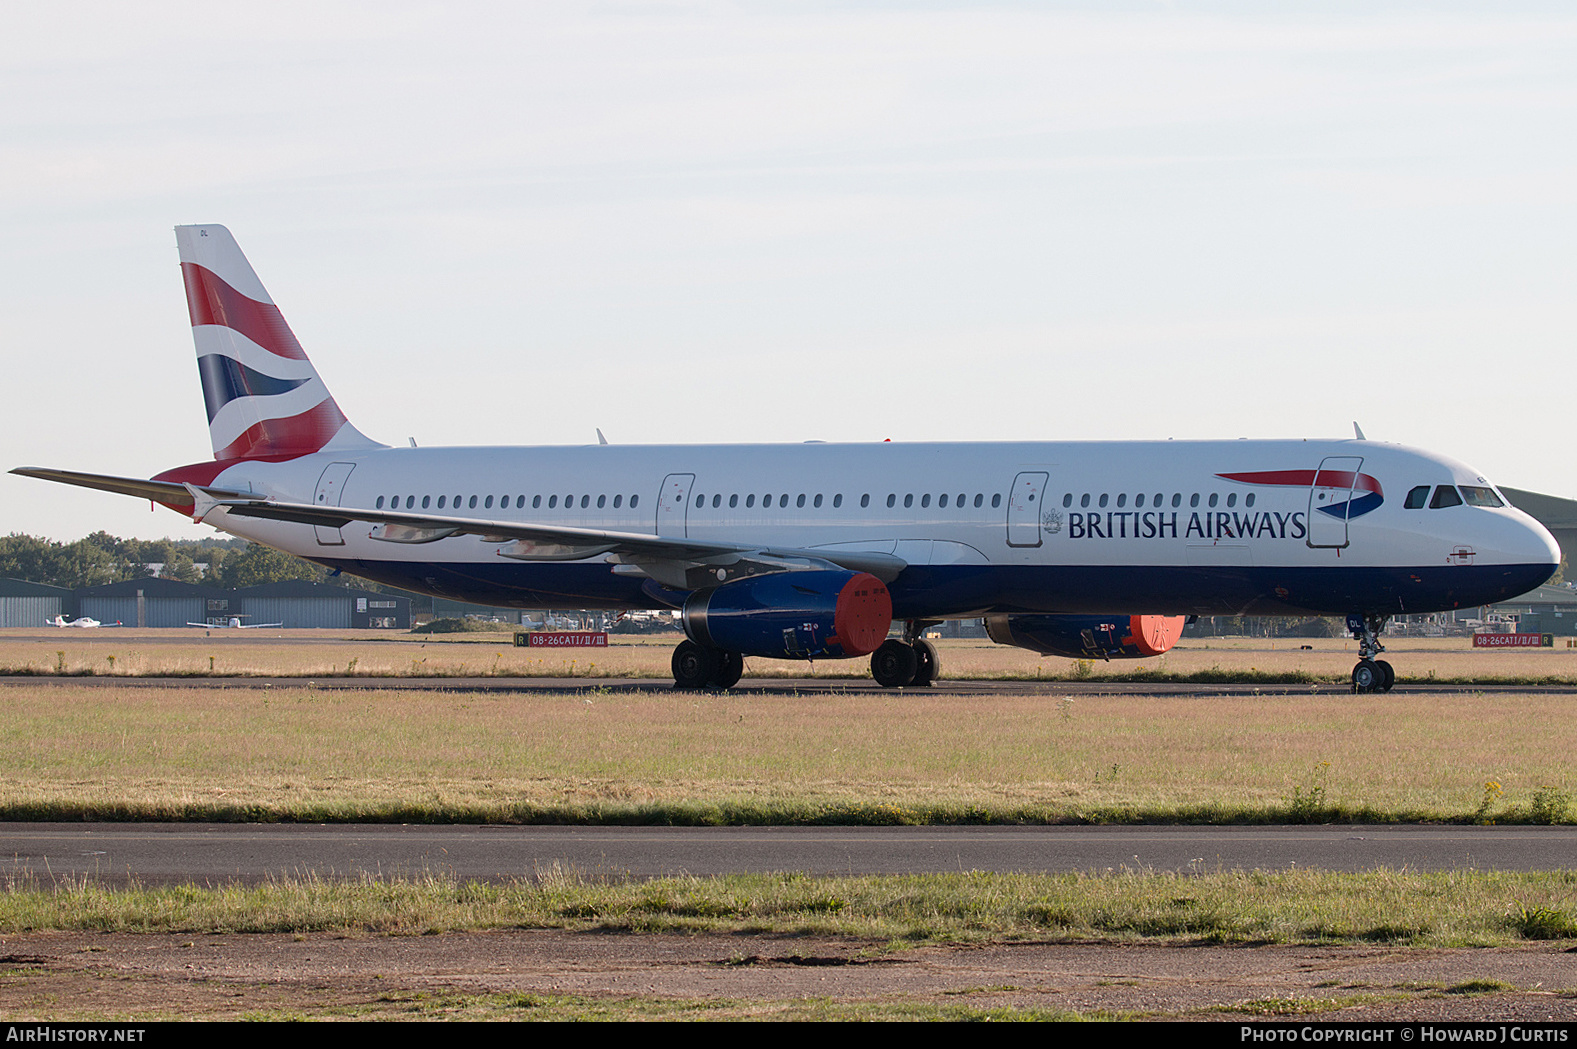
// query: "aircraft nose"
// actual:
[[1532, 544]]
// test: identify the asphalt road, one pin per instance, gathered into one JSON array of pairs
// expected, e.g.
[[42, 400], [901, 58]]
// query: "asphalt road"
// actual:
[[218, 853], [762, 686]]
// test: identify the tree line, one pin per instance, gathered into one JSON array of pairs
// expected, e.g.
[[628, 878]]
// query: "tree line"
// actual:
[[103, 558]]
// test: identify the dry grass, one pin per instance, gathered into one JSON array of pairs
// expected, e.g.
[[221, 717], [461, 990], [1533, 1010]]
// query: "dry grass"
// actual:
[[1465, 908], [313, 653], [303, 753]]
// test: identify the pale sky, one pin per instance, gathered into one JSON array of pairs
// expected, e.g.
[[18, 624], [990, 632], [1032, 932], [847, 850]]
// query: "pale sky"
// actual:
[[512, 223]]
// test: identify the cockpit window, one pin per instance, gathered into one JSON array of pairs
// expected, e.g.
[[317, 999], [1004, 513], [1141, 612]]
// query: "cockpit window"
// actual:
[[1417, 497], [1481, 496], [1445, 495]]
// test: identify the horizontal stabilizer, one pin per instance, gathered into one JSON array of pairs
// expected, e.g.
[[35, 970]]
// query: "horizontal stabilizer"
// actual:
[[168, 492]]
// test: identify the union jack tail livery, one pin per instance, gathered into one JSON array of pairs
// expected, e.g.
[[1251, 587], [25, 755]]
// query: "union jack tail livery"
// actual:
[[264, 398]]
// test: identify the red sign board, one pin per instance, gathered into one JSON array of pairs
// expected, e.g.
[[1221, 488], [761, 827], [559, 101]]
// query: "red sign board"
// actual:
[[1507, 640], [567, 639]]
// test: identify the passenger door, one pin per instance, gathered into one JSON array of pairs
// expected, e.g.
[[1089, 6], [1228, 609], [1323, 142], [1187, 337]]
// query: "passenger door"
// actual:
[[673, 505], [331, 489], [1330, 501], [1024, 499]]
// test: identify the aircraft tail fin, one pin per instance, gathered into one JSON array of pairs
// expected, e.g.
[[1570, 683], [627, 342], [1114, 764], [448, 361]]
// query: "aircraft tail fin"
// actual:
[[264, 397]]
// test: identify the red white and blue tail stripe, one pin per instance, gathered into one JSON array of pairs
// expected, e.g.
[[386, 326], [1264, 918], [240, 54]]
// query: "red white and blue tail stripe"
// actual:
[[264, 397]]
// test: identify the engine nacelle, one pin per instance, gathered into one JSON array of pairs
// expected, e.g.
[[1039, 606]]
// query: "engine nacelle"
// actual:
[[793, 615], [1088, 637]]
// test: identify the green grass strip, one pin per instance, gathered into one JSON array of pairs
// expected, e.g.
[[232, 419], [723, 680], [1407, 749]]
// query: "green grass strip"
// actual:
[[1302, 907]]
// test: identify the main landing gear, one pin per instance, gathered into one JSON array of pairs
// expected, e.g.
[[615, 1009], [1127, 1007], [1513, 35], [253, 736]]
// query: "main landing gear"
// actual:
[[910, 663], [697, 668], [1370, 675]]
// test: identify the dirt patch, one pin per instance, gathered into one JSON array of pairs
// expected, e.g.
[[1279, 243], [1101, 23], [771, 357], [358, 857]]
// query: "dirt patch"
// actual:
[[73, 976]]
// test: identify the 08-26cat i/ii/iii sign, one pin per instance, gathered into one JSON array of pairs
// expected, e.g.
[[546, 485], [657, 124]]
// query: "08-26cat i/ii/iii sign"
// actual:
[[1512, 640], [562, 639]]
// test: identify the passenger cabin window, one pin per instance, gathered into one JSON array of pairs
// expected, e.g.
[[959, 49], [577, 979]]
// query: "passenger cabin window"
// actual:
[[1445, 495], [1416, 498]]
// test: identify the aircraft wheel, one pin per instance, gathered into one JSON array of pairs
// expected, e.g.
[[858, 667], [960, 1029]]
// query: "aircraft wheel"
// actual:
[[695, 667], [894, 664], [730, 665], [928, 666], [1387, 675], [1366, 676]]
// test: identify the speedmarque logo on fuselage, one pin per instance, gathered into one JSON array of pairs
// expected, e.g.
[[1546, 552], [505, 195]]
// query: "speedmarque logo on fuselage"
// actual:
[[1345, 504]]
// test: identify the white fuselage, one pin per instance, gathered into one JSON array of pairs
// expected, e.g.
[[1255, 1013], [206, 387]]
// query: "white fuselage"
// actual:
[[1174, 526]]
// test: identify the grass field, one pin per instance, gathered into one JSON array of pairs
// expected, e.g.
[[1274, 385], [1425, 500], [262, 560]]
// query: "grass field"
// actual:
[[373, 653], [240, 752], [1468, 908]]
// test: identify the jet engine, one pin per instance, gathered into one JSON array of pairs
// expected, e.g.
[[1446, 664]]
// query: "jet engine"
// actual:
[[819, 614], [1087, 637]]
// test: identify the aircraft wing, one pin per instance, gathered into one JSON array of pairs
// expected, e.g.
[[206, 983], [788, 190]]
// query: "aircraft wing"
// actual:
[[681, 563], [670, 560]]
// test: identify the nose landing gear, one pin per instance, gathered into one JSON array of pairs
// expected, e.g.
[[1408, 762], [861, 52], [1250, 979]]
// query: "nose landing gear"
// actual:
[[1370, 675]]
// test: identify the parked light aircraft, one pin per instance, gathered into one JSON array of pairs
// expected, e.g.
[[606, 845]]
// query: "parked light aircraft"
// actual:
[[813, 551], [84, 622], [233, 623]]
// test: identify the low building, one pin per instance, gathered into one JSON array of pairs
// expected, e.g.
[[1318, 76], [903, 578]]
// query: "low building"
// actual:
[[150, 602], [33, 604], [299, 603]]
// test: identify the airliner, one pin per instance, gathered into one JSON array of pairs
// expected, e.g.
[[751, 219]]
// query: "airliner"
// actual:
[[815, 551]]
